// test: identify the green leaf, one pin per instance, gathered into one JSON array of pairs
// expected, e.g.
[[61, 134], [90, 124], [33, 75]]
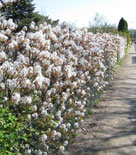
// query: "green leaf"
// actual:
[[54, 123]]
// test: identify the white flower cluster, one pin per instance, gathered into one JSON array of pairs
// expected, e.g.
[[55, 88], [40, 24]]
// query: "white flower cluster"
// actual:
[[51, 73]]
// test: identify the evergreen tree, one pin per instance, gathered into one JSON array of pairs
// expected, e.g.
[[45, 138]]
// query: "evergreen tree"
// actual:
[[123, 25], [123, 29], [20, 10], [22, 13]]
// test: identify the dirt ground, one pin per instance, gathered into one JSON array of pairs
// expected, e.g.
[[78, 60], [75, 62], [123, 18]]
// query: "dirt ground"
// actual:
[[111, 130]]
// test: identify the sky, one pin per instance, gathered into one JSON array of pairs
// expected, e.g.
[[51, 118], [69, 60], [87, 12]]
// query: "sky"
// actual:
[[81, 12]]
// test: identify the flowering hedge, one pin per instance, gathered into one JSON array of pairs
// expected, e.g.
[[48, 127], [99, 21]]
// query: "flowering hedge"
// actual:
[[48, 76]]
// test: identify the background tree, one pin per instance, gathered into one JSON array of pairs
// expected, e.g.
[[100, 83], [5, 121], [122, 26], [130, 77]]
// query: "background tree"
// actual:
[[23, 13], [123, 25], [123, 29], [100, 24]]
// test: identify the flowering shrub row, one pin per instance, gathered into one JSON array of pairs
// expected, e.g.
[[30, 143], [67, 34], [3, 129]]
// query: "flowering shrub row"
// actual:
[[48, 76]]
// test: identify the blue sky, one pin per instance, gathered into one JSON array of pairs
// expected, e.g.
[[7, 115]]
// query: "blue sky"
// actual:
[[80, 12]]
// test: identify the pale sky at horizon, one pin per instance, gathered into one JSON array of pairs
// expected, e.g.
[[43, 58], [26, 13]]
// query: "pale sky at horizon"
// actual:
[[80, 12]]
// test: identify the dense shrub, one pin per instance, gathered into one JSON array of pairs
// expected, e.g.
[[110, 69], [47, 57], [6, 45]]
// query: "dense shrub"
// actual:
[[10, 138], [47, 78]]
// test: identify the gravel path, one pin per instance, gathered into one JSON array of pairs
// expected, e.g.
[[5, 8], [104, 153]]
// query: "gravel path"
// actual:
[[111, 130]]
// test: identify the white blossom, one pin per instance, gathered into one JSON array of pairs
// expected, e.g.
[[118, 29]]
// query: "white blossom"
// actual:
[[16, 97], [2, 55], [44, 112], [76, 125], [65, 143], [1, 5], [44, 137], [34, 108], [2, 85], [61, 148], [3, 37]]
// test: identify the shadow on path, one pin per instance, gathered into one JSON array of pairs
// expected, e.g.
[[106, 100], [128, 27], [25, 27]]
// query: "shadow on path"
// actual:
[[115, 132]]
